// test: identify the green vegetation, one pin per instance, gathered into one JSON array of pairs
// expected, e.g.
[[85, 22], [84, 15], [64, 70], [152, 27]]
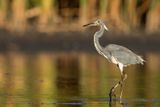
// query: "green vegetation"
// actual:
[[50, 15]]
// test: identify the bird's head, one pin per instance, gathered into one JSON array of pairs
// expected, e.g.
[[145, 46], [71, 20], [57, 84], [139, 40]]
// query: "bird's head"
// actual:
[[97, 23]]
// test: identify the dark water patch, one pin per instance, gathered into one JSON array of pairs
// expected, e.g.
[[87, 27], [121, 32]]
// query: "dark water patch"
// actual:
[[75, 41]]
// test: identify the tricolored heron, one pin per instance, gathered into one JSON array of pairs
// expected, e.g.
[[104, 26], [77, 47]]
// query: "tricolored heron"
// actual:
[[119, 55]]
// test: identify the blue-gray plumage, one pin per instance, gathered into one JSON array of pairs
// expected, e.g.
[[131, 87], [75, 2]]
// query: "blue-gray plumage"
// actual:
[[114, 53], [122, 55]]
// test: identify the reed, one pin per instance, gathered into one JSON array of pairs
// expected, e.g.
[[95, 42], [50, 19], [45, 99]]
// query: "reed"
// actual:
[[123, 15], [18, 21], [131, 13], [103, 8], [83, 11], [3, 12], [46, 14], [153, 16]]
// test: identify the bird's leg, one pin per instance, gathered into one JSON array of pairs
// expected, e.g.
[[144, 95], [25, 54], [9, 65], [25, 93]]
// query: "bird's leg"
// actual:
[[121, 89], [123, 78], [112, 93], [112, 90]]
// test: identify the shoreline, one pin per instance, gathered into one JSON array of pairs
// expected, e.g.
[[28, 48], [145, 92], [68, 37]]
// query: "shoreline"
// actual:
[[74, 41]]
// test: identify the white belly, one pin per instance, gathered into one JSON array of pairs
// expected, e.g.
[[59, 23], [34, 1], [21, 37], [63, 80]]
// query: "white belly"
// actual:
[[114, 60]]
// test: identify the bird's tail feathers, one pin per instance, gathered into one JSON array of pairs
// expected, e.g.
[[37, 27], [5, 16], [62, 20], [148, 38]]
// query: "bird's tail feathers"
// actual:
[[141, 60]]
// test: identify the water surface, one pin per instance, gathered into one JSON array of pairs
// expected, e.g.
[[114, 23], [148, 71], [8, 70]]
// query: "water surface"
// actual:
[[72, 79]]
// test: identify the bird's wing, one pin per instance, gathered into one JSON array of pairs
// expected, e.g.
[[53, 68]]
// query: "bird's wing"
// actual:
[[123, 55]]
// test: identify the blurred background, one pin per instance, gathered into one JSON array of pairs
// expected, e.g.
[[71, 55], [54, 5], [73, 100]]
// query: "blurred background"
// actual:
[[48, 59]]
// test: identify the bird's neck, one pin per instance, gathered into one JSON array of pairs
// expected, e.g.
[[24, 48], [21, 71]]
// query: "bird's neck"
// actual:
[[97, 35]]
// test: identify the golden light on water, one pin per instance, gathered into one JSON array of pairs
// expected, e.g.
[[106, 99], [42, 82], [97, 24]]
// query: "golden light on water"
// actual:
[[53, 77]]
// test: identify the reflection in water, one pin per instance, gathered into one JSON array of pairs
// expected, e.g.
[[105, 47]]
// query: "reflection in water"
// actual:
[[117, 104], [114, 102], [67, 81], [74, 79]]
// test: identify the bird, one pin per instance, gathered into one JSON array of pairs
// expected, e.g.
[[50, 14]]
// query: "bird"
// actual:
[[117, 54]]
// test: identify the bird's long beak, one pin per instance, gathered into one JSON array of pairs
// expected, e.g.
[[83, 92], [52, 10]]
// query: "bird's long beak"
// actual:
[[89, 24]]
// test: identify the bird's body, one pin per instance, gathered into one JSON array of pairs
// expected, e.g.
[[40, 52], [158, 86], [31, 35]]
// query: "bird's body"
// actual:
[[116, 54], [121, 55]]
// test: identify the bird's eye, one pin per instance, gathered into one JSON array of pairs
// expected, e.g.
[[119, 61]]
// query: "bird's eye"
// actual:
[[98, 21]]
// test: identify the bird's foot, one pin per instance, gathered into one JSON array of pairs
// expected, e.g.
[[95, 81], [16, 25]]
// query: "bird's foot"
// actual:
[[112, 94]]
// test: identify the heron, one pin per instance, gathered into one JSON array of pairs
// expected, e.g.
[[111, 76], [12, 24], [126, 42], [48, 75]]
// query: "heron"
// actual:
[[117, 54]]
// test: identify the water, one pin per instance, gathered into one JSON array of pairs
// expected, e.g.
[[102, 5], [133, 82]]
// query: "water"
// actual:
[[72, 79]]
